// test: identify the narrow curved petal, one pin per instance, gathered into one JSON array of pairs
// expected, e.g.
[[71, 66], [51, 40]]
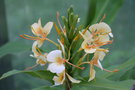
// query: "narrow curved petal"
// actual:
[[36, 28], [93, 27], [100, 66], [104, 26], [104, 38], [87, 50], [62, 47], [111, 35], [87, 35], [56, 68], [40, 42], [72, 79], [39, 22], [56, 81], [41, 62], [34, 50], [101, 55], [47, 28], [84, 44], [92, 73], [54, 55], [59, 79]]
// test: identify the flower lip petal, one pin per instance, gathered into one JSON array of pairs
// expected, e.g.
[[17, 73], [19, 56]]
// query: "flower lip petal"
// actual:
[[47, 28], [53, 55], [111, 35], [99, 64], [72, 79], [92, 74], [59, 79], [35, 29], [56, 68], [89, 50]]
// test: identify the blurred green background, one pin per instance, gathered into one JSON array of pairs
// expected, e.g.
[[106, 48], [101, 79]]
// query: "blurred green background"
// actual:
[[21, 14]]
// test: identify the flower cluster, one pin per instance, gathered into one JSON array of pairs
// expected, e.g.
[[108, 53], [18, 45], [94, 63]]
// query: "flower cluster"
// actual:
[[65, 60], [95, 37], [54, 58]]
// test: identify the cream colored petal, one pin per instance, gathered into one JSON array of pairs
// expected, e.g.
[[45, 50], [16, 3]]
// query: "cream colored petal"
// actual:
[[59, 79], [104, 38], [54, 55], [39, 22], [31, 55], [56, 68], [111, 35], [78, 20], [93, 27], [81, 34], [62, 46], [36, 28], [47, 28], [92, 73], [100, 66], [40, 42], [72, 79], [34, 50], [56, 81], [87, 36], [39, 62], [104, 26], [87, 50], [42, 58], [101, 55], [84, 44]]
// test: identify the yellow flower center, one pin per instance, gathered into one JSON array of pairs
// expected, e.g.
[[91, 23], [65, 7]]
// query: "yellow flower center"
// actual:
[[60, 60], [41, 61]]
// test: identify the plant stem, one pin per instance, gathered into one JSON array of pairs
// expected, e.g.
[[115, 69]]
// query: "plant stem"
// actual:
[[52, 42], [68, 85]]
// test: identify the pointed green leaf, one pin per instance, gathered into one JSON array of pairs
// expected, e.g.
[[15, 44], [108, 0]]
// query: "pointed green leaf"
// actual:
[[42, 74], [107, 84], [13, 47], [49, 88], [122, 69]]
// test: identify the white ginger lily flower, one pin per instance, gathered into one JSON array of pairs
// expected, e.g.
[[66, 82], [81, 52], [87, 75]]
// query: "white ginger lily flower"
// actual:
[[98, 56], [92, 73], [87, 43], [41, 58], [56, 61], [101, 28], [39, 32], [60, 78], [96, 37]]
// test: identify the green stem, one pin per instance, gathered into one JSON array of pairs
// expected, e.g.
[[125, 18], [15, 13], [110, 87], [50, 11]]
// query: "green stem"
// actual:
[[57, 45], [68, 85]]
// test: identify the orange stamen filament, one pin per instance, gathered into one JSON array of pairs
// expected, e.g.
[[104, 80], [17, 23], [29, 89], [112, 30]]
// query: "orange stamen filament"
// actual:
[[29, 68], [98, 45], [57, 17], [74, 65], [115, 70], [103, 18], [31, 38]]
